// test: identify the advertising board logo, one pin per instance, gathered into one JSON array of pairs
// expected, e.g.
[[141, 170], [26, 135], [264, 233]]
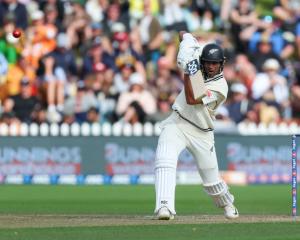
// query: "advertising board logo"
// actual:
[[40, 160], [262, 163], [131, 159]]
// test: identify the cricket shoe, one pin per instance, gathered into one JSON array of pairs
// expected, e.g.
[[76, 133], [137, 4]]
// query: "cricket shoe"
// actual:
[[231, 212], [165, 214]]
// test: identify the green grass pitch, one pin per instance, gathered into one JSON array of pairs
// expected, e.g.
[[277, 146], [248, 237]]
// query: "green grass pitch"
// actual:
[[125, 212]]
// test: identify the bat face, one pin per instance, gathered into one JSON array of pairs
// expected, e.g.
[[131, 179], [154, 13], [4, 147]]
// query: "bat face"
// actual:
[[196, 78]]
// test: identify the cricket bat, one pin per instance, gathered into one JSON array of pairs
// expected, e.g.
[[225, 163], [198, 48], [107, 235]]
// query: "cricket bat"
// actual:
[[197, 80]]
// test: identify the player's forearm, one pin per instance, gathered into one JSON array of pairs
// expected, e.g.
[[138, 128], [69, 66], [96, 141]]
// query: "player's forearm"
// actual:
[[189, 95]]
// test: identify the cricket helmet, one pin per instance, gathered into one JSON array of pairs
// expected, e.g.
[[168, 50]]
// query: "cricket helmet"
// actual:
[[212, 52]]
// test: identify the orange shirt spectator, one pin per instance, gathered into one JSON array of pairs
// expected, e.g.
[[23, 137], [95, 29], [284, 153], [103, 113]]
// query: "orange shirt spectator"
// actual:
[[16, 73], [41, 38]]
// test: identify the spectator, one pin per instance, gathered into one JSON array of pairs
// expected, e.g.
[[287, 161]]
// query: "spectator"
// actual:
[[239, 103], [96, 54], [225, 10], [97, 30], [96, 9], [81, 102], [16, 72], [151, 34], [92, 115], [164, 109], [68, 118], [245, 71], [114, 18], [39, 114], [40, 38], [268, 113], [295, 94], [222, 115], [173, 15], [170, 51], [77, 24], [16, 9], [22, 104], [61, 7], [269, 86], [135, 105], [9, 118], [167, 80], [123, 50], [121, 79], [51, 16], [101, 82], [207, 10], [288, 11], [264, 52], [8, 44], [59, 66], [282, 41], [244, 22], [96, 34]]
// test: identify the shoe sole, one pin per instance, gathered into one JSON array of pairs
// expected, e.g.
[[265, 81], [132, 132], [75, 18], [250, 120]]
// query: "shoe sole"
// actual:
[[230, 218], [165, 217]]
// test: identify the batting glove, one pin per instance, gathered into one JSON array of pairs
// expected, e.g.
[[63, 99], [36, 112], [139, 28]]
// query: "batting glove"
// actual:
[[189, 50]]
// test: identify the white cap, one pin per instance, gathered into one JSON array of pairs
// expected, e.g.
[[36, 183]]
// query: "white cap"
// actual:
[[271, 63], [222, 110], [118, 27], [136, 78], [238, 88], [62, 40], [37, 15]]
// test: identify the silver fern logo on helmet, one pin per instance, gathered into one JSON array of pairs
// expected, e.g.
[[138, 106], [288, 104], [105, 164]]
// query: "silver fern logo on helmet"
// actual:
[[212, 51]]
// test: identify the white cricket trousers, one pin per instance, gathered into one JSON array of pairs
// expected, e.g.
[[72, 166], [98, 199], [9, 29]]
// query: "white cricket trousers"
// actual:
[[172, 141]]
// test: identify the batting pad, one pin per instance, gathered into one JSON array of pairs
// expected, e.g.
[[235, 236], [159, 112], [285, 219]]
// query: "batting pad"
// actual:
[[220, 194], [165, 182]]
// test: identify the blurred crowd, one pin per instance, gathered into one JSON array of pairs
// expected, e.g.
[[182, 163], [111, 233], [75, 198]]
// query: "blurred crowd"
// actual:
[[115, 61]]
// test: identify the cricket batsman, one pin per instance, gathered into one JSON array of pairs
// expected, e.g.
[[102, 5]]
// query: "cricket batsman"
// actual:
[[190, 127]]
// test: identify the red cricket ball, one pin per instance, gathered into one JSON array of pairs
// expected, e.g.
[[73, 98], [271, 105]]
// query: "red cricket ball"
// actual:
[[16, 33]]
